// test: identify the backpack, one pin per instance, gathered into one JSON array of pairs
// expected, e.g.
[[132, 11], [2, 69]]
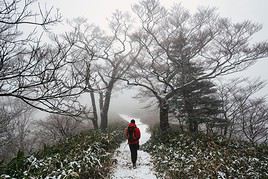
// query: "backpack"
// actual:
[[131, 134]]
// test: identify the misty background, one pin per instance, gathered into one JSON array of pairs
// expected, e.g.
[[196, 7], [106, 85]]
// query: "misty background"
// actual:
[[72, 71], [98, 12]]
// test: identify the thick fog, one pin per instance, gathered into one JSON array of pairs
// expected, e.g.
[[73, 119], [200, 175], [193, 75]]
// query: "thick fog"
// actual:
[[98, 12]]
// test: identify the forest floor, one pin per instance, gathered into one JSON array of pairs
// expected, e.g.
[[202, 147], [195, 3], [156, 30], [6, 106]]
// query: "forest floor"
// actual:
[[123, 167]]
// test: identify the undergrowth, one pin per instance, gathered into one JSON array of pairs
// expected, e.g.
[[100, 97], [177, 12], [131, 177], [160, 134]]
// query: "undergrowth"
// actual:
[[86, 155], [182, 155]]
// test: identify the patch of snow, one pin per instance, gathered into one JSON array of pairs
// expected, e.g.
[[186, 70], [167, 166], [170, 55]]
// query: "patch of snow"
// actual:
[[122, 156], [221, 175], [5, 176]]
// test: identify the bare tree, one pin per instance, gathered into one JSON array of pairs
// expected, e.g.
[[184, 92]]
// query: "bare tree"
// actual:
[[6, 132], [118, 56], [31, 70], [14, 127], [254, 120], [103, 60], [246, 114], [17, 12], [217, 45], [235, 94], [57, 127], [87, 48], [21, 124]]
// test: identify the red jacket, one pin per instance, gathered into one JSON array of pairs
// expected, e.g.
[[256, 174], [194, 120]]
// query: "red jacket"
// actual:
[[136, 134]]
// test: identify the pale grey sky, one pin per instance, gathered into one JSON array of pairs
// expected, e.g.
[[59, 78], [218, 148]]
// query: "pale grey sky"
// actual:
[[97, 11]]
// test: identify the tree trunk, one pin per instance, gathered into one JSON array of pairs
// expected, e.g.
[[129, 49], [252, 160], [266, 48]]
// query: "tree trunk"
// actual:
[[195, 129], [95, 115], [193, 124], [191, 128], [226, 127], [101, 101], [164, 109], [225, 131], [105, 109]]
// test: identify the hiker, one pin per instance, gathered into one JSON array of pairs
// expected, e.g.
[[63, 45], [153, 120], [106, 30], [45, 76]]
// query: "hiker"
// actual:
[[132, 133]]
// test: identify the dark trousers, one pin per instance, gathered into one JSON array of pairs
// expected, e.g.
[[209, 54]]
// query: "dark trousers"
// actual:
[[134, 152]]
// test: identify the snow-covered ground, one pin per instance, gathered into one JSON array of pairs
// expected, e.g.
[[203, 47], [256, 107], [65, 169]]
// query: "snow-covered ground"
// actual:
[[122, 157]]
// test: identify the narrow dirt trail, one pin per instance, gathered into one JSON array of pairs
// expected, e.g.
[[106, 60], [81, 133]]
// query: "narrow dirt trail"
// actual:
[[123, 168]]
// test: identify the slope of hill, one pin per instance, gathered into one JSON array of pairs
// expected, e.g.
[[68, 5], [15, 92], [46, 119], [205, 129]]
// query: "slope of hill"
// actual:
[[181, 155], [87, 155]]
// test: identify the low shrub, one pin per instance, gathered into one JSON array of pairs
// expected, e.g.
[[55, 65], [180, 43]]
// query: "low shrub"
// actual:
[[86, 155], [182, 155]]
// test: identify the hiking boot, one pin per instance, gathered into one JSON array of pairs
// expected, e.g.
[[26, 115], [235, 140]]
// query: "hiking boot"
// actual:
[[134, 165]]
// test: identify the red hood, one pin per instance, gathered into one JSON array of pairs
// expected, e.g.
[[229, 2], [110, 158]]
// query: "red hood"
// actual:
[[132, 125]]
